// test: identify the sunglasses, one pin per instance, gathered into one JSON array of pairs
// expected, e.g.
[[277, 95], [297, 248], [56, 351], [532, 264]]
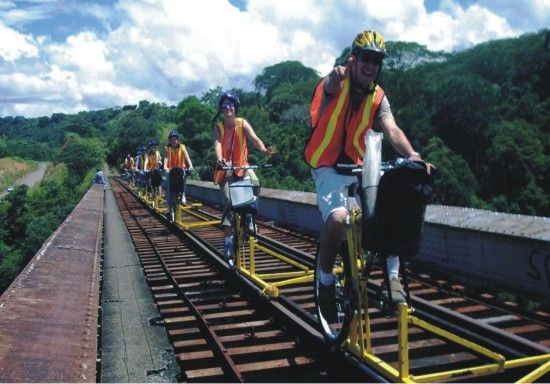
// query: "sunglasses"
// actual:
[[228, 105], [368, 57]]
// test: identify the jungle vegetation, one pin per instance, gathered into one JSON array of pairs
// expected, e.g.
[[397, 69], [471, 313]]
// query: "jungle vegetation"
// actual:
[[481, 115]]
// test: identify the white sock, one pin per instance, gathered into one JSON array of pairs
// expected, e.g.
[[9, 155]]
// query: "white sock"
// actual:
[[326, 278], [392, 263]]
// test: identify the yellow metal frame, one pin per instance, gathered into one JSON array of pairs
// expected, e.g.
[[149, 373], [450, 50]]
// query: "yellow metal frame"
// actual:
[[190, 210], [359, 341], [157, 203], [269, 282]]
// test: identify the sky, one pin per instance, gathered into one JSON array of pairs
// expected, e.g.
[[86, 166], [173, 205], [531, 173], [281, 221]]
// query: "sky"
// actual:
[[66, 56]]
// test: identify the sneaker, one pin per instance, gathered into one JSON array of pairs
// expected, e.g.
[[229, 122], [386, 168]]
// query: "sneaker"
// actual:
[[249, 224], [327, 302], [183, 199], [397, 292], [229, 255]]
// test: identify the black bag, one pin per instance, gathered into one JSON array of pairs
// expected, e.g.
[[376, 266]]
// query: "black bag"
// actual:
[[176, 180], [400, 207], [156, 178]]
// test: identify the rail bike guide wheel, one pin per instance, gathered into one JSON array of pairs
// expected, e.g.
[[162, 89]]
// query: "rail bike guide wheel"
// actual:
[[336, 330]]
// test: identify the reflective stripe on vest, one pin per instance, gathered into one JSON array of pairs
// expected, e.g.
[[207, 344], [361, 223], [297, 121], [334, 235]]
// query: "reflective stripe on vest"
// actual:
[[325, 143], [236, 152]]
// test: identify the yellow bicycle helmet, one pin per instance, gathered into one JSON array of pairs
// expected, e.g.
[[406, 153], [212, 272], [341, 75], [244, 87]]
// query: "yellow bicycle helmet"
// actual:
[[369, 40]]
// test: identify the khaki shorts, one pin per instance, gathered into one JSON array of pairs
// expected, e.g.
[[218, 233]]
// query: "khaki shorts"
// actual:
[[332, 190]]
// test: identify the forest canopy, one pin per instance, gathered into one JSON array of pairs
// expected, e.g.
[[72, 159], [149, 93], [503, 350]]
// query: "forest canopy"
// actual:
[[480, 115]]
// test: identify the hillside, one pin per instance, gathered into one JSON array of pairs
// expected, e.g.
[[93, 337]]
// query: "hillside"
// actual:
[[12, 169], [480, 115]]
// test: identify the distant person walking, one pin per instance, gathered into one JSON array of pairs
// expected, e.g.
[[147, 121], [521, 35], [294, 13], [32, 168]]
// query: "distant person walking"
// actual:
[[99, 177]]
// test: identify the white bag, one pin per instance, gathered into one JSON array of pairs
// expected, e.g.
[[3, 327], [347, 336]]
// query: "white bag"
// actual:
[[241, 193]]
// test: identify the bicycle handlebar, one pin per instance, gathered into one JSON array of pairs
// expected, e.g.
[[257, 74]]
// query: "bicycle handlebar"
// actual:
[[244, 167], [357, 169]]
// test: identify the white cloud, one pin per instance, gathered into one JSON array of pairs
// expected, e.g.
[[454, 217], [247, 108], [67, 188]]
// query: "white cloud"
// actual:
[[164, 50], [15, 45], [83, 53], [451, 28], [12, 15]]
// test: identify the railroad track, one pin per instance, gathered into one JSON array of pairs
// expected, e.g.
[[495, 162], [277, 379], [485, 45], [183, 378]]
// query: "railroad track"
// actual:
[[209, 293], [220, 331]]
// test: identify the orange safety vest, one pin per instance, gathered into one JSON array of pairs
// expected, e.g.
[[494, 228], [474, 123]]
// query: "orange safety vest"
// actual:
[[325, 143], [176, 157], [130, 164], [153, 160], [234, 148]]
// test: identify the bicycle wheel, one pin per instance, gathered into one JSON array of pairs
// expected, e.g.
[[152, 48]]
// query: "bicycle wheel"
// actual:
[[335, 327]]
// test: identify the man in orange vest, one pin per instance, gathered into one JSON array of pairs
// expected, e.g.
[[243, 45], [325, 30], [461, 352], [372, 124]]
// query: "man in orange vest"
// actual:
[[346, 104], [176, 163], [230, 147]]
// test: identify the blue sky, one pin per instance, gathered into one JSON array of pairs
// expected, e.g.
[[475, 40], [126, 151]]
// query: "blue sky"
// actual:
[[69, 55]]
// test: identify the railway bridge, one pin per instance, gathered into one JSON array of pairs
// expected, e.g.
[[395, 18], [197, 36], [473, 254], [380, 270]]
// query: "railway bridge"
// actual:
[[117, 293]]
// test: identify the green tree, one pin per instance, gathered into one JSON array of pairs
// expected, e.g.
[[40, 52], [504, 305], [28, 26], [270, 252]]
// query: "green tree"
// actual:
[[126, 133], [192, 116], [10, 266], [286, 72], [517, 162], [38, 230], [407, 55], [79, 125], [80, 155], [282, 99], [15, 223], [212, 96], [194, 122], [463, 115], [454, 183]]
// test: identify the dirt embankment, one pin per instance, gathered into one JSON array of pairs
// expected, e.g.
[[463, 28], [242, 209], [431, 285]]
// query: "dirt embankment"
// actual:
[[13, 172]]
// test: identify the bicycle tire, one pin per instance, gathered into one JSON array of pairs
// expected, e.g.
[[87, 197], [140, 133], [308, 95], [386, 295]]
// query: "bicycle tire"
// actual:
[[337, 331]]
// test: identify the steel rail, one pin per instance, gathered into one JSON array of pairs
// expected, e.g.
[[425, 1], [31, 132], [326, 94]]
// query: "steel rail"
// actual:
[[502, 340], [228, 365], [306, 332]]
